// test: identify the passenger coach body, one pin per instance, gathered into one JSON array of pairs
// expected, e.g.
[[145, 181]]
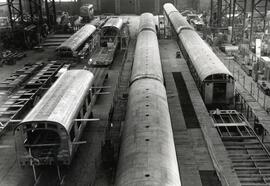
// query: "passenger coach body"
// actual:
[[49, 134], [147, 155], [213, 79]]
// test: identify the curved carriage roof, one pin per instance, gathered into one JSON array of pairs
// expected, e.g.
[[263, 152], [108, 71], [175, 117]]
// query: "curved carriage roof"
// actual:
[[178, 21], [147, 22], [78, 38], [169, 8], [113, 23], [147, 62], [201, 55], [63, 100]]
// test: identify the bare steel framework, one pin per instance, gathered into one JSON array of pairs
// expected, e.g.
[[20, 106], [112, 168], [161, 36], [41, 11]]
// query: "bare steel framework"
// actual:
[[18, 14], [238, 19], [258, 14], [15, 12], [219, 11], [235, 13]]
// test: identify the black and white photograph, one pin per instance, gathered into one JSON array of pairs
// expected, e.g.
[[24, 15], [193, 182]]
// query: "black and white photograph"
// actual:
[[134, 92]]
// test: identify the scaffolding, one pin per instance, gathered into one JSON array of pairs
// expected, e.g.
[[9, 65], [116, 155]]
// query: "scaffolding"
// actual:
[[15, 13], [234, 13], [239, 20], [50, 13], [258, 15], [221, 13]]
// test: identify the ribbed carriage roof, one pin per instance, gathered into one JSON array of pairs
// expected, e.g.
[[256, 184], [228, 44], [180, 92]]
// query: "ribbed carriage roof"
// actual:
[[169, 8], [147, 62], [62, 101], [147, 22], [114, 22], [177, 20], [203, 58], [78, 38]]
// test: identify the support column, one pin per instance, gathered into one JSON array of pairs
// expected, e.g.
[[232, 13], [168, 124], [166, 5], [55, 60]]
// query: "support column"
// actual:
[[258, 15], [219, 11], [239, 20]]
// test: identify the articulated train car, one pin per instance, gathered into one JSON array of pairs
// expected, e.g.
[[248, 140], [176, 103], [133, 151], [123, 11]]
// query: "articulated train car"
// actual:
[[147, 153], [213, 79], [49, 134]]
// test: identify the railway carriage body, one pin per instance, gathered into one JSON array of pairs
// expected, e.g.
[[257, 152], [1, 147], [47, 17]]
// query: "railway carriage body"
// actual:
[[110, 38], [147, 154], [213, 79], [72, 45], [110, 31], [147, 55], [48, 134]]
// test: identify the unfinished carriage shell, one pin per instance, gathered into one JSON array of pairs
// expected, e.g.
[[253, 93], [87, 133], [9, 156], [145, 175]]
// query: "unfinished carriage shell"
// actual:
[[71, 45], [48, 133]]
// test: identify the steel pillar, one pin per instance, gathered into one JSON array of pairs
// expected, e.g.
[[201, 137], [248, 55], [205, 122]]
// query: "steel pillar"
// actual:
[[239, 20], [50, 13], [15, 12], [221, 11], [35, 7], [258, 16]]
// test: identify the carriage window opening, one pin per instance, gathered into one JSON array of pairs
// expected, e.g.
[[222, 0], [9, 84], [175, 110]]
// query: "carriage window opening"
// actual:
[[53, 126], [87, 101], [219, 91], [72, 133], [84, 107], [90, 96], [40, 125], [79, 122], [82, 113], [48, 139], [28, 126]]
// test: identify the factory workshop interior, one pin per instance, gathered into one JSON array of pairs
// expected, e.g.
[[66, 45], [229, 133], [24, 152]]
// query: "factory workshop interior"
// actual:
[[134, 93]]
